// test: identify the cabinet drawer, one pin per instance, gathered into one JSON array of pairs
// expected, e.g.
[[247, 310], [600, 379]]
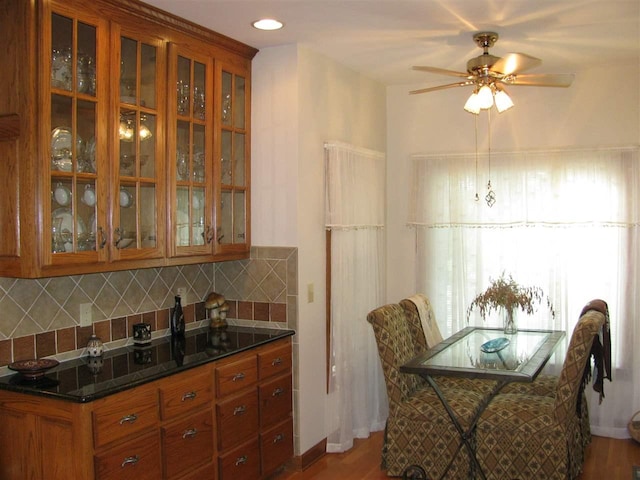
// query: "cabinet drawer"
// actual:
[[139, 459], [242, 463], [274, 360], [182, 396], [233, 377], [276, 445], [237, 419], [124, 414], [275, 400], [187, 444]]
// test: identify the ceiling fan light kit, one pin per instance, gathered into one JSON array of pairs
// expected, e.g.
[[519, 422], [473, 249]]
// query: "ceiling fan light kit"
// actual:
[[487, 73]]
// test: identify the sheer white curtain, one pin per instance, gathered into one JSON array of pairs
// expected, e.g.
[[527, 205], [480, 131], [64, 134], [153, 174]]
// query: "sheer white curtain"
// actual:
[[357, 402], [566, 221]]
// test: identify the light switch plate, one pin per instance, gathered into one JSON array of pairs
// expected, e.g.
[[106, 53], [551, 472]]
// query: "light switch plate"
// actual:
[[85, 315]]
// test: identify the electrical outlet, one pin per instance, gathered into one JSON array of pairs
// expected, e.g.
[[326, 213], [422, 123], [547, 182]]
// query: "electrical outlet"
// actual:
[[85, 315], [182, 293]]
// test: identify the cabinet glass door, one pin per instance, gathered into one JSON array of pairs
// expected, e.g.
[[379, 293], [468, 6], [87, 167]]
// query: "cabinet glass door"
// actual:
[[137, 197], [232, 224], [191, 214], [75, 109]]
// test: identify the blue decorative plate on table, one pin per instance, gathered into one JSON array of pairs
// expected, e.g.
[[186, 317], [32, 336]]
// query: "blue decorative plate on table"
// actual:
[[495, 345]]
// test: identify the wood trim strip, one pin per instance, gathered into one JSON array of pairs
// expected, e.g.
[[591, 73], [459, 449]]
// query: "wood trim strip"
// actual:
[[9, 127], [308, 458]]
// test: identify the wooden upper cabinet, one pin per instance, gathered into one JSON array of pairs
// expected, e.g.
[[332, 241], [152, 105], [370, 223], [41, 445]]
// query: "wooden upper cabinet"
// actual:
[[190, 152], [137, 191], [118, 140], [233, 175], [73, 136]]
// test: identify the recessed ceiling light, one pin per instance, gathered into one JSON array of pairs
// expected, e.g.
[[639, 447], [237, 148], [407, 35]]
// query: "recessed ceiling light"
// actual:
[[267, 24]]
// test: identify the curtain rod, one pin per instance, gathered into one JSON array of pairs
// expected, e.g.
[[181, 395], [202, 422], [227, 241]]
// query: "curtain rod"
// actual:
[[511, 152]]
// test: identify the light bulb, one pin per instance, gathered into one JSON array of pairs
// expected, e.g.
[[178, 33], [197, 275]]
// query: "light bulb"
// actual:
[[503, 101], [485, 97], [473, 104]]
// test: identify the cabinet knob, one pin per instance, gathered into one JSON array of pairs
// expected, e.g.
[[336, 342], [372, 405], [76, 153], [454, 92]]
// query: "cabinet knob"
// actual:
[[209, 234], [190, 433], [277, 392], [189, 396], [238, 377], [276, 362], [278, 438], [130, 461], [241, 460], [240, 410], [128, 419]]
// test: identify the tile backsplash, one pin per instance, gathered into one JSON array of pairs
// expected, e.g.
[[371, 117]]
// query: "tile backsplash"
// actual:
[[41, 317]]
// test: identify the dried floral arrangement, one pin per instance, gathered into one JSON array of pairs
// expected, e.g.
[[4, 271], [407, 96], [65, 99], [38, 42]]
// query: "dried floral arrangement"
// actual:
[[505, 292]]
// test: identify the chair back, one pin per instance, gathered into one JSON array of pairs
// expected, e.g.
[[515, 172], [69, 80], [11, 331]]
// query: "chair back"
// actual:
[[570, 380], [422, 321], [395, 348]]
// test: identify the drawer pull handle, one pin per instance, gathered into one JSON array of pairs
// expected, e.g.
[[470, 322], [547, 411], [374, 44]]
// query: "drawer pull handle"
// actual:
[[189, 396], [277, 392], [130, 461], [276, 362], [241, 460], [237, 377], [192, 432], [239, 410], [128, 419], [278, 438]]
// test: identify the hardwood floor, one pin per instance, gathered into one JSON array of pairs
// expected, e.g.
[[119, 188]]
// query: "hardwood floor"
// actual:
[[607, 458]]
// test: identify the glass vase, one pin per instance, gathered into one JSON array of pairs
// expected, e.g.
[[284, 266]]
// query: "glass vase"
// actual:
[[510, 319]]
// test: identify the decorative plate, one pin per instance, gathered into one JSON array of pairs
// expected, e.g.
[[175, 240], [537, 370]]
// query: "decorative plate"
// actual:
[[34, 368], [61, 148], [495, 345]]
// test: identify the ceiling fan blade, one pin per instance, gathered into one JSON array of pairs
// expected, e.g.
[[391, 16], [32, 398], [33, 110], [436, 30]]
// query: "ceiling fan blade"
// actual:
[[515, 62], [442, 71], [441, 87], [540, 80]]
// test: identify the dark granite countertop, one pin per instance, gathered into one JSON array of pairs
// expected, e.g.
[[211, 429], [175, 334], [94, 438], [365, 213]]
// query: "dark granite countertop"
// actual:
[[86, 379]]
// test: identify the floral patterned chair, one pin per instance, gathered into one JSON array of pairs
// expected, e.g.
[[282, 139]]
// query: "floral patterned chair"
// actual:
[[418, 431], [528, 436]]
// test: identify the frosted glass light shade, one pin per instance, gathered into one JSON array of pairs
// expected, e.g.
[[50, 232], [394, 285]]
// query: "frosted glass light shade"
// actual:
[[485, 97], [473, 104]]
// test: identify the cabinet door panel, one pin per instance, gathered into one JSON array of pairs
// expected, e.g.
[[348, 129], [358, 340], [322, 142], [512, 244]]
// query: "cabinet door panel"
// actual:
[[237, 419], [139, 459], [187, 444], [242, 463]]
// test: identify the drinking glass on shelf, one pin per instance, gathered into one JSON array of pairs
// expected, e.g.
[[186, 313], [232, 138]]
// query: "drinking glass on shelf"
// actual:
[[198, 103], [183, 97]]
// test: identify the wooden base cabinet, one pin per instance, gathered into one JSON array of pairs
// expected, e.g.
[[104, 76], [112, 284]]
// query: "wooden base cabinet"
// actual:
[[226, 420]]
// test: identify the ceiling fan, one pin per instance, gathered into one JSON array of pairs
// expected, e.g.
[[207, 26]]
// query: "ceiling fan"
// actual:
[[489, 73]]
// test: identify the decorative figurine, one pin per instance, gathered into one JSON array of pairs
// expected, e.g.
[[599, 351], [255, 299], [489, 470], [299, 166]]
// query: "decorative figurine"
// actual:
[[218, 308], [95, 348]]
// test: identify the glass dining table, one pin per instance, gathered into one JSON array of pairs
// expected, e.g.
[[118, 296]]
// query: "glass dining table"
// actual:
[[484, 353]]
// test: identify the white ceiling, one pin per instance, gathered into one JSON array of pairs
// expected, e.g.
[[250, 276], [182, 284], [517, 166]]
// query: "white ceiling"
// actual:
[[384, 38]]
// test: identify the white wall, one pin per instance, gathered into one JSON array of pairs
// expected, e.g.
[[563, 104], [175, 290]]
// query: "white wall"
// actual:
[[300, 100], [601, 108]]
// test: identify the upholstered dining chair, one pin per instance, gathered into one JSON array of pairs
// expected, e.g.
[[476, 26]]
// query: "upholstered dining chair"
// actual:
[[419, 430], [536, 436], [423, 325]]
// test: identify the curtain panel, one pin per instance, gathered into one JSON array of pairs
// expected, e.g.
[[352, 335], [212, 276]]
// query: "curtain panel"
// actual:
[[354, 200], [564, 220]]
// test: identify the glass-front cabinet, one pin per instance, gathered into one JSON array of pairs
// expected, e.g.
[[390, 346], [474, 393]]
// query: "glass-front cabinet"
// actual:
[[137, 194], [233, 175], [75, 139], [190, 152], [126, 139]]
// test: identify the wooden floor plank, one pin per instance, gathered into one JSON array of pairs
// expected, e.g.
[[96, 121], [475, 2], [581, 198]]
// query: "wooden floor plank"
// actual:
[[607, 459]]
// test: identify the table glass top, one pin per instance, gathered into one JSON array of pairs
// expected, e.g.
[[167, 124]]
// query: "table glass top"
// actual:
[[489, 353]]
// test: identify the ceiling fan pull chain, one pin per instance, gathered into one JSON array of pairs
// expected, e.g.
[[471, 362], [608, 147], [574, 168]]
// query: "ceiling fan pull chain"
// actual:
[[476, 131], [490, 197]]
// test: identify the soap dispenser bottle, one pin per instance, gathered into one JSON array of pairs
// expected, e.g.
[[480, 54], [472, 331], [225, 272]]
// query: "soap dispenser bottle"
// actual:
[[177, 318]]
